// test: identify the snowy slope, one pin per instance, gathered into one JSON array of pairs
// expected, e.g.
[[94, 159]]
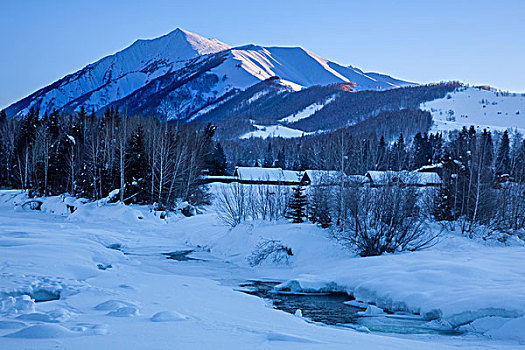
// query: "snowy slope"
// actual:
[[265, 131], [116, 77], [307, 112], [301, 68], [479, 107]]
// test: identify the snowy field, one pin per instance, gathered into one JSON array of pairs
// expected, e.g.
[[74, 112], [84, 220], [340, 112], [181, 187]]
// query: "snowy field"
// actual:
[[115, 289], [472, 106]]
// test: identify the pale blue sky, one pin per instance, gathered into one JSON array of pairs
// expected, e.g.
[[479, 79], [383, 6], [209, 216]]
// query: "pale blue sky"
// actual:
[[475, 41]]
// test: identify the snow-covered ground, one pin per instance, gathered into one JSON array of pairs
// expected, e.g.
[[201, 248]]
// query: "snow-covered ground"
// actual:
[[484, 109], [117, 290], [265, 131]]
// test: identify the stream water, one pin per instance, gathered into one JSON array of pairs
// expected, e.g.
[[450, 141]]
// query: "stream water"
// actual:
[[329, 309]]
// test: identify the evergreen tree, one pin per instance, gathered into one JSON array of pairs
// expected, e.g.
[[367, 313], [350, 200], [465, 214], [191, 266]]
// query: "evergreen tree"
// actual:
[[136, 172], [443, 204], [519, 169], [82, 114], [487, 157], [297, 205], [216, 164], [320, 207], [399, 154], [437, 148], [268, 157], [503, 155], [381, 155], [281, 159], [3, 116], [421, 151]]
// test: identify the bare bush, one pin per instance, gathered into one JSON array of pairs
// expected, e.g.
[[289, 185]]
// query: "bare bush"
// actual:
[[232, 204], [387, 219], [237, 203], [270, 249]]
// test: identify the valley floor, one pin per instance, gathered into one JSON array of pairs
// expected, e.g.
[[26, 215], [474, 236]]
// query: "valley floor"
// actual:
[[115, 289]]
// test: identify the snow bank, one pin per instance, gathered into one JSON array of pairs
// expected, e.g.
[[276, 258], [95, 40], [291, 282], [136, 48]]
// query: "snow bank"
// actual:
[[168, 316], [454, 285], [42, 331]]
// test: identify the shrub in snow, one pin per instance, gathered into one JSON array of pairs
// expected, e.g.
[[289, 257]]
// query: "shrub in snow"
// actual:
[[236, 203], [384, 220], [273, 250]]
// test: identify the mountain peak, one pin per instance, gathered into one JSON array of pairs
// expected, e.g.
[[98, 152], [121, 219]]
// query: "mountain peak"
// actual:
[[201, 45]]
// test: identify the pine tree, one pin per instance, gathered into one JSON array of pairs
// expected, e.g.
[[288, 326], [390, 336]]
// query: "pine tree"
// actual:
[[421, 151], [297, 205], [443, 204], [320, 207], [220, 159], [487, 157], [136, 172], [503, 155], [281, 159], [216, 162], [381, 154], [520, 163], [268, 157], [399, 154], [82, 114]]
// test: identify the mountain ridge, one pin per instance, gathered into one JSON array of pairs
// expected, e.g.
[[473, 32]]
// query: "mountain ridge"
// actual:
[[125, 73]]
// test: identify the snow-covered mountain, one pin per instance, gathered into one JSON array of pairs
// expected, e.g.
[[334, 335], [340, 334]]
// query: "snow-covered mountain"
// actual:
[[185, 73]]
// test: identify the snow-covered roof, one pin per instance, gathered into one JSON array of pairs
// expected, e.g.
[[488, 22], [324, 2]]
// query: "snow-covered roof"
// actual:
[[266, 174], [406, 177], [323, 177], [422, 178], [356, 179], [383, 177], [292, 176]]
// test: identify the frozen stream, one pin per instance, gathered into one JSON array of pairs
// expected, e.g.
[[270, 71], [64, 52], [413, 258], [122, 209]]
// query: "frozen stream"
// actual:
[[330, 309]]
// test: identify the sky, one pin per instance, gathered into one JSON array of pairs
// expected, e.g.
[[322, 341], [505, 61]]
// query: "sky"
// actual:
[[477, 41]]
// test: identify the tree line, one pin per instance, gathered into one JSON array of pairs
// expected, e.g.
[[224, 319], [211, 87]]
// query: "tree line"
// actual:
[[147, 159]]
